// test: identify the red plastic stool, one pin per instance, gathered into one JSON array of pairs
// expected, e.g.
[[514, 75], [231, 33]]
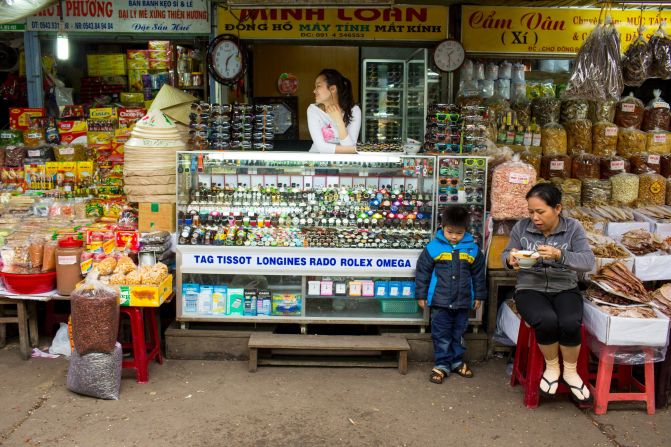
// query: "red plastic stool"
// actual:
[[529, 365], [143, 353], [605, 376]]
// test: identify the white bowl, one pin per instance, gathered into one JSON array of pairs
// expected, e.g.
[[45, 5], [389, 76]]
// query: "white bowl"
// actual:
[[412, 149], [526, 258]]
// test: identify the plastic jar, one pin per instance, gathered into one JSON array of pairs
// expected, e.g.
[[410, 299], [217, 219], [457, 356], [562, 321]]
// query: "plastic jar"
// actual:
[[68, 270]]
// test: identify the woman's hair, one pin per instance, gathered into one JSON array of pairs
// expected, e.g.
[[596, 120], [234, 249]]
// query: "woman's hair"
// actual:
[[547, 192], [344, 89]]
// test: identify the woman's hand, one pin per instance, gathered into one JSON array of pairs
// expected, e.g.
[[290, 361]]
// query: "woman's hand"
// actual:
[[548, 252], [333, 111], [512, 260], [345, 149]]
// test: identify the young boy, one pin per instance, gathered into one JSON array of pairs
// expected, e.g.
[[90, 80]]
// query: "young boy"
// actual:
[[451, 278]]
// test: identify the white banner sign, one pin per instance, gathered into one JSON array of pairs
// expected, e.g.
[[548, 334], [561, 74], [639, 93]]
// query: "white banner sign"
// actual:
[[299, 261], [125, 16]]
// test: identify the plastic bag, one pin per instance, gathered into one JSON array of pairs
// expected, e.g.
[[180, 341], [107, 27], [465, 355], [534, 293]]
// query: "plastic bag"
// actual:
[[595, 192], [502, 88], [95, 316], [660, 44], [505, 70], [61, 343], [652, 189], [604, 139], [517, 74], [532, 158], [597, 74], [578, 136], [571, 192], [624, 188], [630, 141], [602, 110], [629, 112], [611, 166], [629, 355], [546, 109], [478, 71], [553, 139], [97, 374], [558, 165], [658, 142], [510, 183], [492, 72], [657, 115], [665, 165], [574, 109], [636, 61], [585, 166], [466, 71], [643, 163], [521, 106]]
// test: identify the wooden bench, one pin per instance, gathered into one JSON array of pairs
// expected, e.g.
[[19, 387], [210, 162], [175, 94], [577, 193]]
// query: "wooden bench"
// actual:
[[26, 318], [331, 343]]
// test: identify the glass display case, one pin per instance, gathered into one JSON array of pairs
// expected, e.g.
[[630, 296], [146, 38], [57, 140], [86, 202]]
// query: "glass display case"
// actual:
[[300, 237], [394, 99]]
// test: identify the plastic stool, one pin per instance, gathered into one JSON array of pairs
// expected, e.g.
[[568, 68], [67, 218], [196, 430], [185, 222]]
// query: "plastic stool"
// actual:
[[624, 378], [529, 365], [143, 353]]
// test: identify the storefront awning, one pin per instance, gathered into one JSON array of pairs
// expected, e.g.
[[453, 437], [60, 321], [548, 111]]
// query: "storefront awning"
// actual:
[[15, 10]]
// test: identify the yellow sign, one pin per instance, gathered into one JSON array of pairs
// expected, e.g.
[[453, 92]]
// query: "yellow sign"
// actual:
[[420, 23], [559, 31]]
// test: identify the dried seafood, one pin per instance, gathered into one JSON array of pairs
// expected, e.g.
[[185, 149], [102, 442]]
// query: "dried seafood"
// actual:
[[618, 306], [604, 247], [629, 312], [617, 277], [662, 298], [641, 242], [613, 214], [661, 214]]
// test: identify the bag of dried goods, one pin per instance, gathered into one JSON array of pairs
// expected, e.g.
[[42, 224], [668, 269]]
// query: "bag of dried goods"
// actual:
[[571, 193], [658, 142], [96, 374], [668, 191], [555, 166], [520, 105], [578, 136], [95, 316], [611, 166], [642, 163], [629, 112], [661, 51], [636, 61], [652, 189], [604, 139], [595, 192], [553, 139], [510, 183], [546, 109], [14, 155], [624, 188], [665, 165], [505, 70], [532, 158], [585, 166], [656, 115], [602, 110], [630, 141], [574, 109]]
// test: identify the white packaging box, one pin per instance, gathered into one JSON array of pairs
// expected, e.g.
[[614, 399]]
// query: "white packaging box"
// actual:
[[615, 230], [600, 262], [661, 229], [653, 267], [509, 322], [621, 331]]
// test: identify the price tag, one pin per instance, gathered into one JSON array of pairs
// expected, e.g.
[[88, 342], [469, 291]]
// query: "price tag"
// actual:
[[611, 131], [557, 165], [659, 138], [520, 179], [629, 108], [67, 150], [34, 153], [617, 165], [653, 159]]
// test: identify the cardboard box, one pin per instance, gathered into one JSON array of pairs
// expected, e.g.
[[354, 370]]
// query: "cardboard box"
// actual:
[[652, 267], [286, 304], [146, 296], [106, 64], [621, 331], [157, 217], [496, 246], [509, 322], [19, 117], [661, 229]]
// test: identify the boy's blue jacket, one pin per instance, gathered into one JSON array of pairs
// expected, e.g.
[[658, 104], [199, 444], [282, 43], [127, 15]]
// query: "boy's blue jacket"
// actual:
[[451, 277]]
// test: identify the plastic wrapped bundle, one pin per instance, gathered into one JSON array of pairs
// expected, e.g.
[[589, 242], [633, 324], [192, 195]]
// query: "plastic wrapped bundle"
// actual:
[[522, 107], [652, 189], [611, 166], [553, 139], [96, 374], [668, 191], [665, 165], [629, 112], [578, 136], [555, 166], [624, 188], [636, 61], [604, 139], [630, 141], [585, 166], [595, 192], [571, 193], [642, 163], [658, 142], [532, 158], [661, 50], [546, 109], [574, 109], [657, 115], [602, 110], [511, 181], [95, 316]]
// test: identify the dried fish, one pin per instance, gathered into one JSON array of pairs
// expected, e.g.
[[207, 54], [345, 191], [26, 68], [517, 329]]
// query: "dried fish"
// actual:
[[617, 277], [641, 242]]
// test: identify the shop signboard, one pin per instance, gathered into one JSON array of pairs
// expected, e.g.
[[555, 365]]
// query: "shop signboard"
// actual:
[[404, 23], [12, 27], [548, 31], [125, 16]]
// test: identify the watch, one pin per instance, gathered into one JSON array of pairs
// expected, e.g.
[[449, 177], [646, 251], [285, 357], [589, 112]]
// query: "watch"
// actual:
[[449, 55], [226, 60]]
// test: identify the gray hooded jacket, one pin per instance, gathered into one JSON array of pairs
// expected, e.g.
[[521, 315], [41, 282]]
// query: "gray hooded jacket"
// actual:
[[552, 277]]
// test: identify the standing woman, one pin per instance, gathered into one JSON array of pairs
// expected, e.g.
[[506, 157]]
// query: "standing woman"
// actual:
[[547, 294], [334, 121]]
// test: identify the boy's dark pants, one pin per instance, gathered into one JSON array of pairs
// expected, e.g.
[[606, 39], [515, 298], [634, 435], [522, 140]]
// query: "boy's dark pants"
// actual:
[[447, 329]]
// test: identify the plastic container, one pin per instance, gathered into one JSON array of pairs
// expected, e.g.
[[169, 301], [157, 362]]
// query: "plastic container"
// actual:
[[68, 259], [630, 142], [30, 284]]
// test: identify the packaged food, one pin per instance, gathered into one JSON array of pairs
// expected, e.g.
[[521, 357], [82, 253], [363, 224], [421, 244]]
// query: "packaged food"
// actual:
[[95, 316], [574, 109], [546, 109], [478, 71], [595, 192], [642, 163], [571, 192], [492, 71], [510, 183], [668, 191], [578, 136], [555, 166], [36, 251], [630, 141], [658, 142], [505, 70], [49, 256], [553, 139], [657, 115], [661, 52], [9, 137], [75, 152], [629, 112], [665, 165], [522, 108], [585, 166], [517, 74], [624, 188], [602, 110], [14, 156], [652, 189], [611, 166], [532, 158], [636, 61], [604, 139]]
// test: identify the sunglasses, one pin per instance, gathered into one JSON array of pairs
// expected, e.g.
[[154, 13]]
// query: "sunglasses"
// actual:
[[442, 117]]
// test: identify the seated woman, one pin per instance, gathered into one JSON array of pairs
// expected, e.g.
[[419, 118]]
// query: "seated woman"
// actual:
[[333, 120], [547, 294]]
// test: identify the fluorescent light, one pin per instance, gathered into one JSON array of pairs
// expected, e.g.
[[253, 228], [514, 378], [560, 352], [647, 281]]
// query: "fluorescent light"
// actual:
[[62, 47]]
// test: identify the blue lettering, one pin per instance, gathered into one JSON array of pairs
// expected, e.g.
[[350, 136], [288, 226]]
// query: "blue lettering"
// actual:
[[318, 262], [344, 262], [393, 263]]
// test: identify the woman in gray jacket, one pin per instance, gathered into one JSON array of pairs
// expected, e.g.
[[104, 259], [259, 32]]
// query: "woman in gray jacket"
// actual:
[[547, 294]]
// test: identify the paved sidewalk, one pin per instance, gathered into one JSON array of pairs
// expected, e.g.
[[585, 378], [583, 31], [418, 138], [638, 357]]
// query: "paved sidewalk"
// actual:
[[201, 403]]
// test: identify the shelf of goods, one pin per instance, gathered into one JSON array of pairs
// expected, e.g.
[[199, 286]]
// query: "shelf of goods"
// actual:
[[302, 238]]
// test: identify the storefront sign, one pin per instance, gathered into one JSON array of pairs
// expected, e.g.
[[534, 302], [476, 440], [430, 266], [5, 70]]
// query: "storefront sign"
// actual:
[[560, 31], [126, 16], [13, 27], [411, 23]]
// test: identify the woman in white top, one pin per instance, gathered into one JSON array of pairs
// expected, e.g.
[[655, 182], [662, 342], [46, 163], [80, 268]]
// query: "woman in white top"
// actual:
[[334, 121]]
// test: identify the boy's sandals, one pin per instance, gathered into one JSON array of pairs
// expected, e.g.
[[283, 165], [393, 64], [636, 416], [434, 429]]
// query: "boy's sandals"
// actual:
[[437, 375], [463, 370]]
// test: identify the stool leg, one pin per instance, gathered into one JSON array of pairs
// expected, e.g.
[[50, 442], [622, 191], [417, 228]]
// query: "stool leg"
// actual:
[[650, 381], [154, 334], [24, 342], [603, 378], [32, 324], [521, 350], [3, 328], [139, 347], [534, 372]]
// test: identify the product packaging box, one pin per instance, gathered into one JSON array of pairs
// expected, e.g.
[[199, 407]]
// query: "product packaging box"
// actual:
[[394, 289], [135, 81], [381, 289], [205, 300], [249, 307], [265, 298], [286, 304], [137, 59], [156, 217], [622, 331], [219, 296], [407, 289], [73, 132], [367, 288], [190, 297], [326, 288], [235, 301], [340, 287], [355, 288], [106, 64], [19, 117], [146, 296], [314, 288]]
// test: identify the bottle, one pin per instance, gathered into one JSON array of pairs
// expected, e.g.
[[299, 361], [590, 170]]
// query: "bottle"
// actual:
[[536, 133], [528, 136], [501, 135], [510, 131], [519, 133]]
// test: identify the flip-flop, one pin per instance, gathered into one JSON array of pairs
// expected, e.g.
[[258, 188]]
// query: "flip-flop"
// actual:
[[581, 402], [550, 385], [463, 370], [437, 375]]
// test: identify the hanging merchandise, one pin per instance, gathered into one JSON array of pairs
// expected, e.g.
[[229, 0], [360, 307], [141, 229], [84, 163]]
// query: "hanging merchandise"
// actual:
[[597, 74], [629, 112], [657, 114], [636, 61], [511, 181], [630, 141], [660, 44]]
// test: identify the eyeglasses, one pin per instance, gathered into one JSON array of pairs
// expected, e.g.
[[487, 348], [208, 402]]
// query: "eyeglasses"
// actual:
[[442, 117], [475, 162]]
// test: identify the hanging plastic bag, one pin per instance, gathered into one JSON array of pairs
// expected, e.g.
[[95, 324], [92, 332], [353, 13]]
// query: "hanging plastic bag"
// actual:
[[660, 43], [61, 343], [466, 71], [657, 115], [511, 181], [505, 70], [636, 61], [96, 374]]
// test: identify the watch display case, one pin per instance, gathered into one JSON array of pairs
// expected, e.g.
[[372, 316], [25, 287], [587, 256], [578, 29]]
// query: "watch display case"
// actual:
[[320, 238]]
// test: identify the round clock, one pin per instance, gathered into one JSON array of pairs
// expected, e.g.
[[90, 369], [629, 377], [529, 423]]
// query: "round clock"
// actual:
[[226, 60], [449, 55]]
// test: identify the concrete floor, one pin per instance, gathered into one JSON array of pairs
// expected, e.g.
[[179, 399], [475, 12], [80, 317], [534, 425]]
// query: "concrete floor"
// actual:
[[212, 403]]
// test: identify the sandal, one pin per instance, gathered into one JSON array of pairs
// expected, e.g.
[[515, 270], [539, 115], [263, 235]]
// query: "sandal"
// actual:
[[550, 385], [463, 370], [581, 389], [437, 375]]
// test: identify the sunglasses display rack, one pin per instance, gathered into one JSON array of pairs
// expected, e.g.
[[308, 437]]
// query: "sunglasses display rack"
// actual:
[[451, 129], [305, 215]]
